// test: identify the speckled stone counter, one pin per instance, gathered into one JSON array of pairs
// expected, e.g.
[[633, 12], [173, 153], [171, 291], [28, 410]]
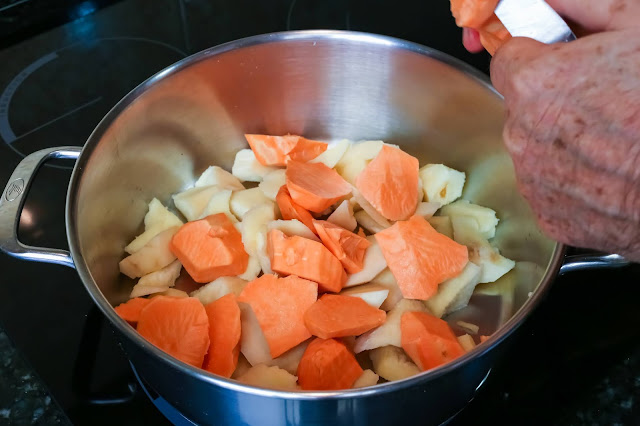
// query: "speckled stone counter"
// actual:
[[24, 400]]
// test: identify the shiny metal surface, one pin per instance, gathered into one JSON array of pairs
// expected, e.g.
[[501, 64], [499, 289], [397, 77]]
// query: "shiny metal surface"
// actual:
[[534, 19], [323, 84], [592, 261], [13, 199]]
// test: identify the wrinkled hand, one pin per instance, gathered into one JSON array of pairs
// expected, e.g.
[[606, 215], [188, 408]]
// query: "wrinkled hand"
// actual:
[[573, 126]]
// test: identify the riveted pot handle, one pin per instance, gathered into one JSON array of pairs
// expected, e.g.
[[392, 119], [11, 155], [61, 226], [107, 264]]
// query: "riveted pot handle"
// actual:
[[592, 261], [12, 202]]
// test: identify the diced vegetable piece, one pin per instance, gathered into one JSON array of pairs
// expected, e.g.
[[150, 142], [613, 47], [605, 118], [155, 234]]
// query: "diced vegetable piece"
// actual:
[[279, 150], [427, 209], [468, 327], [455, 293], [215, 175], [218, 288], [157, 219], [441, 184], [247, 168], [305, 258], [224, 336], [367, 378], [178, 326], [390, 183], [220, 202], [171, 292], [328, 365], [291, 228], [290, 210], [356, 158], [130, 310], [332, 156], [261, 250], [315, 186], [442, 224], [210, 248], [366, 221], [484, 216], [493, 34], [373, 294], [252, 222], [389, 332], [279, 305], [472, 13], [346, 246], [154, 256], [290, 359], [193, 201], [373, 263], [493, 264], [272, 183], [241, 368], [484, 338], [419, 257], [339, 316], [370, 210], [467, 342], [161, 279], [269, 377], [428, 340], [253, 269], [392, 363], [253, 343], [343, 216], [243, 201], [388, 281]]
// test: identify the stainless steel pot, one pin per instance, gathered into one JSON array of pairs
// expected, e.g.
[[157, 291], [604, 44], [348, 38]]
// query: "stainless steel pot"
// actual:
[[323, 84]]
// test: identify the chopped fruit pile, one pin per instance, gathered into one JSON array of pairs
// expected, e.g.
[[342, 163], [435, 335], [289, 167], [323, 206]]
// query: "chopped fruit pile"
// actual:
[[333, 251]]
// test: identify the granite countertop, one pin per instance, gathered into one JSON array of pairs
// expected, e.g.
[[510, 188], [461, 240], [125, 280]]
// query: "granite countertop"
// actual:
[[23, 397]]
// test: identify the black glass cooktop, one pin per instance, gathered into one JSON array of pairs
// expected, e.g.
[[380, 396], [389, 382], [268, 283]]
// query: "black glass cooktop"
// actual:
[[64, 64]]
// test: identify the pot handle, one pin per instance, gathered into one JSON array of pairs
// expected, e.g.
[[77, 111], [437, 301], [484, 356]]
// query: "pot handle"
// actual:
[[12, 202], [580, 262]]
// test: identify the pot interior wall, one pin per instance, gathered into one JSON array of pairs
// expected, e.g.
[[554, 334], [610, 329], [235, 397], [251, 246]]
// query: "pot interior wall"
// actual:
[[322, 87]]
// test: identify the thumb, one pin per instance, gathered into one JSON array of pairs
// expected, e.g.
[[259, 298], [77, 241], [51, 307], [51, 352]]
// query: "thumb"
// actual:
[[512, 57], [599, 15]]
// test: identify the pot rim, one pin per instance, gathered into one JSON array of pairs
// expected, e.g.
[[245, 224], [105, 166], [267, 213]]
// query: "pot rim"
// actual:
[[305, 35]]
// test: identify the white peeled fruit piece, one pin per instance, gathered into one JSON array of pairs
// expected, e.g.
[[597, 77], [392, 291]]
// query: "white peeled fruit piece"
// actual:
[[252, 223], [367, 378], [333, 154], [215, 175], [253, 344], [442, 224], [241, 368], [292, 227], [171, 292], [218, 288], [290, 360], [427, 209], [157, 219], [493, 264], [486, 218], [272, 183], [243, 201], [253, 269], [261, 250], [161, 279], [269, 377], [192, 202], [373, 294], [247, 168], [356, 158], [343, 216], [371, 211], [467, 342], [441, 184], [219, 203], [454, 294], [374, 262], [389, 332], [153, 256], [367, 222], [388, 281], [392, 363]]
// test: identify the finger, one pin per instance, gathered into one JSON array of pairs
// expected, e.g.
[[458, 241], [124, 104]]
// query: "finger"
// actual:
[[511, 57], [471, 40], [600, 15]]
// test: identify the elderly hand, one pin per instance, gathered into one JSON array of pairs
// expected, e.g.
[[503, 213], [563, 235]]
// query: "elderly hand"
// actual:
[[573, 126]]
